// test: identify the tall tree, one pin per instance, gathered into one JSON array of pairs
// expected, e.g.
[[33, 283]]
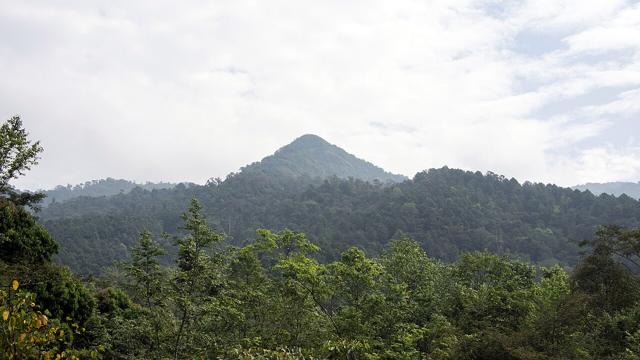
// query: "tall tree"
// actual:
[[196, 280], [149, 285], [21, 238], [145, 270], [17, 155]]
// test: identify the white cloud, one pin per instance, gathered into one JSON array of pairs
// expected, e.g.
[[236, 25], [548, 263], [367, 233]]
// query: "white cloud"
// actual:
[[607, 163], [157, 91]]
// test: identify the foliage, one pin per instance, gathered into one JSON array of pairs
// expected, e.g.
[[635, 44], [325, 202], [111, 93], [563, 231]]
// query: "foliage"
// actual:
[[447, 211], [17, 155], [22, 239], [196, 280], [27, 332], [274, 298], [281, 297]]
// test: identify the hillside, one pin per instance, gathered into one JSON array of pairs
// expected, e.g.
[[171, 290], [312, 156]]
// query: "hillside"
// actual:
[[447, 211], [310, 155], [612, 188], [97, 188]]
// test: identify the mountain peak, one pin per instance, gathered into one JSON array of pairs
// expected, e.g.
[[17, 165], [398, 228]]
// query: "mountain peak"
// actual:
[[310, 139], [313, 156], [306, 141]]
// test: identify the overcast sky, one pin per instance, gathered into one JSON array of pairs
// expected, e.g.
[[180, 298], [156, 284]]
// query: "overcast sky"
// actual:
[[541, 90]]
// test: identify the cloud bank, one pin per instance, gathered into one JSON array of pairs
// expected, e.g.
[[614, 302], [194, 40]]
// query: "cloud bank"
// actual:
[[539, 90]]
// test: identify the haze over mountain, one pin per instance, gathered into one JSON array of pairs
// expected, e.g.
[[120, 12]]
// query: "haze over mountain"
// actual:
[[96, 188], [303, 187], [612, 188], [310, 155]]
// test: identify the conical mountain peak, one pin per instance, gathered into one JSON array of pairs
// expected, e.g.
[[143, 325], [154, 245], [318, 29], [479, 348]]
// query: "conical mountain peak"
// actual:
[[311, 155]]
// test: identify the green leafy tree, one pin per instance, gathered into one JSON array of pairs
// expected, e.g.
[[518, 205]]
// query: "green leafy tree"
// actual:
[[197, 278], [493, 300], [58, 290], [149, 287], [607, 274], [27, 331], [147, 275], [22, 239], [17, 155], [302, 315]]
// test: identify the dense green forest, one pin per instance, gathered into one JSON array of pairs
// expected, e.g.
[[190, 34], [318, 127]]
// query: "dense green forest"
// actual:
[[97, 188], [446, 211], [275, 296]]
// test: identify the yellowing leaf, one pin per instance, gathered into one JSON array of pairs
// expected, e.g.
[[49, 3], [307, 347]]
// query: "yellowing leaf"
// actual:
[[5, 315], [15, 284]]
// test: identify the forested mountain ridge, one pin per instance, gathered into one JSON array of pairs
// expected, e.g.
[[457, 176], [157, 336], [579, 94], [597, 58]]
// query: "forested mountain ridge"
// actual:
[[96, 188], [613, 188], [447, 211], [273, 297], [310, 155]]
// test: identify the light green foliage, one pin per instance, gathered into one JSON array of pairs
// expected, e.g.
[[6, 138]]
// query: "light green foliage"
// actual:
[[197, 280], [281, 297], [148, 283], [28, 332], [493, 291], [22, 240], [277, 298], [148, 278], [283, 353], [17, 153], [26, 248]]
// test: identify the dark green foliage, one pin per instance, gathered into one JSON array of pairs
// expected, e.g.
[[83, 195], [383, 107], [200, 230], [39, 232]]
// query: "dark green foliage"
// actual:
[[146, 275], [112, 302], [274, 299], [607, 274], [62, 294], [278, 297], [447, 211], [22, 239]]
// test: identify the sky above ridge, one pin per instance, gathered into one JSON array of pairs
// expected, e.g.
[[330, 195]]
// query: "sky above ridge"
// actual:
[[540, 90]]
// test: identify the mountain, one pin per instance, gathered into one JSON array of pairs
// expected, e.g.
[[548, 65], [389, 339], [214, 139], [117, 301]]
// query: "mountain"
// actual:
[[97, 188], [447, 211], [318, 188], [310, 155], [612, 188]]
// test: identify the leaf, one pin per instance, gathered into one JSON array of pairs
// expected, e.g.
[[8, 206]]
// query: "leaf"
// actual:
[[15, 284], [5, 315]]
